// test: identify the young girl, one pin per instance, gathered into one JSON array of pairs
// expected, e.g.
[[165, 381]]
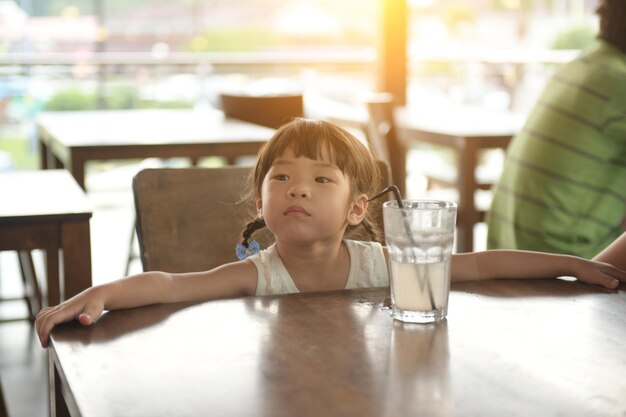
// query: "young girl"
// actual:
[[311, 183]]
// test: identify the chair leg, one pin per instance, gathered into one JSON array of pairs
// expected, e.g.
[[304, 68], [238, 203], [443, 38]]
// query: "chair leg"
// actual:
[[3, 406], [31, 285], [131, 256]]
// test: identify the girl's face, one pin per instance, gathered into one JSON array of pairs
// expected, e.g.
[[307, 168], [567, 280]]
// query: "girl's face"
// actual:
[[306, 200]]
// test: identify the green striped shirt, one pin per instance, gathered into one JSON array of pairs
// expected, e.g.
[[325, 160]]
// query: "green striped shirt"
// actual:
[[563, 188]]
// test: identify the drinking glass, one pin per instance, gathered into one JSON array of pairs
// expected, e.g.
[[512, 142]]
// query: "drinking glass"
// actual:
[[419, 239]]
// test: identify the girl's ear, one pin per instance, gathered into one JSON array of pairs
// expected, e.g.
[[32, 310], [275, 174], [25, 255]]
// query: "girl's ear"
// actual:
[[357, 211], [258, 202]]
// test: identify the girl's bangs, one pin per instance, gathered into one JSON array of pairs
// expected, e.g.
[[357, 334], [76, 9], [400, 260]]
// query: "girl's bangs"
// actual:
[[318, 144], [317, 140]]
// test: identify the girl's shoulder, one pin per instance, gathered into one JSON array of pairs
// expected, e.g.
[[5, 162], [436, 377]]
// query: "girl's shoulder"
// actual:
[[242, 272]]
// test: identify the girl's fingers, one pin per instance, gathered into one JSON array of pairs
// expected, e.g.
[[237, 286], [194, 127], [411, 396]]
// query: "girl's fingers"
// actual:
[[605, 275], [85, 319], [619, 274], [615, 274], [609, 282], [43, 324], [90, 315], [51, 316], [598, 278]]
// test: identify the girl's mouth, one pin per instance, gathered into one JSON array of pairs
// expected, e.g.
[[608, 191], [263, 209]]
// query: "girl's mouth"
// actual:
[[296, 211]]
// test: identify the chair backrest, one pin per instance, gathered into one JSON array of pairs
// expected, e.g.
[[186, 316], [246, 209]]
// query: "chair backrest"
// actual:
[[382, 137], [269, 111], [190, 219]]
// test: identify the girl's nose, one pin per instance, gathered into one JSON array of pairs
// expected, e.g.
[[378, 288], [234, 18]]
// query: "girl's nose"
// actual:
[[299, 191]]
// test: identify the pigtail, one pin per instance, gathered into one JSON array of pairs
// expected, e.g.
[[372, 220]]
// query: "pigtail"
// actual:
[[367, 230], [372, 230], [251, 227], [245, 248]]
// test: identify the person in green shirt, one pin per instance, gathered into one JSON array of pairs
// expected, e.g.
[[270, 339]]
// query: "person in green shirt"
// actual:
[[563, 188]]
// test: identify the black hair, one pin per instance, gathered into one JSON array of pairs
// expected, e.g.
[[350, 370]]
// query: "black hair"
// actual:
[[612, 15], [316, 139]]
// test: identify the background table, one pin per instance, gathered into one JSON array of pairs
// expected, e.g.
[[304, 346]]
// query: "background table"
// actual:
[[70, 139], [48, 210], [467, 132], [514, 348]]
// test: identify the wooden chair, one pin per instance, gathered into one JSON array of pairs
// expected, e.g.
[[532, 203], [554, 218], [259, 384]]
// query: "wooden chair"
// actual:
[[383, 141], [190, 219], [32, 293], [270, 111]]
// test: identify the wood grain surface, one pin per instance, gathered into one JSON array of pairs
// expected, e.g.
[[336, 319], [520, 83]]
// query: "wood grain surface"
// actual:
[[514, 348]]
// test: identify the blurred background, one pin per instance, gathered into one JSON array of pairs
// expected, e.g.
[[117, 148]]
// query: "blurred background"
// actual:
[[59, 55], [94, 54]]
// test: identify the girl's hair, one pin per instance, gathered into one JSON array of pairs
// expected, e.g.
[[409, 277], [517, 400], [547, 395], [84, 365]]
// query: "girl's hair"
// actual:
[[612, 15], [316, 139]]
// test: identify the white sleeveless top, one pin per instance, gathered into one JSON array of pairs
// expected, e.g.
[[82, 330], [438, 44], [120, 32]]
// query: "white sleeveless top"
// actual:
[[368, 269]]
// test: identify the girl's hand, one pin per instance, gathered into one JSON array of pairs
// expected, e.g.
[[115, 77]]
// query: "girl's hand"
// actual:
[[599, 273], [85, 307]]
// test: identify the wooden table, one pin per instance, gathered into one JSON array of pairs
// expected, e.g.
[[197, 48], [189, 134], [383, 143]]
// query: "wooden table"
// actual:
[[48, 210], [508, 348], [467, 132], [70, 139]]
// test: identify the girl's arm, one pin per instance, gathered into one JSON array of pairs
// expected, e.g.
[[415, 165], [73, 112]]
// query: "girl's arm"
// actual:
[[615, 253], [516, 264], [230, 280]]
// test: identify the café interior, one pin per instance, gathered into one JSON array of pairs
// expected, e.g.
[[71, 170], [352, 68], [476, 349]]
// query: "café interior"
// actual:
[[95, 94]]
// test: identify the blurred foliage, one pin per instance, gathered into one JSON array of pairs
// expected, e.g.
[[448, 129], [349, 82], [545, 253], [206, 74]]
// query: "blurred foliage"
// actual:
[[576, 37], [438, 67], [22, 157], [525, 5], [233, 39], [115, 98], [72, 99]]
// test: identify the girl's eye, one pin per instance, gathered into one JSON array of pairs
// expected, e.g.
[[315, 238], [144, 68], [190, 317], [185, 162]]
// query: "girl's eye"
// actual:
[[281, 177], [322, 180]]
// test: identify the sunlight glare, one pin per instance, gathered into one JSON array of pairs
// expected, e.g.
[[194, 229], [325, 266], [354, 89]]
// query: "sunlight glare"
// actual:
[[305, 19], [418, 4]]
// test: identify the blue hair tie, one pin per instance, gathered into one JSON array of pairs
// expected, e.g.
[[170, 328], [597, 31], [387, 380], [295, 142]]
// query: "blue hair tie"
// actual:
[[243, 252]]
